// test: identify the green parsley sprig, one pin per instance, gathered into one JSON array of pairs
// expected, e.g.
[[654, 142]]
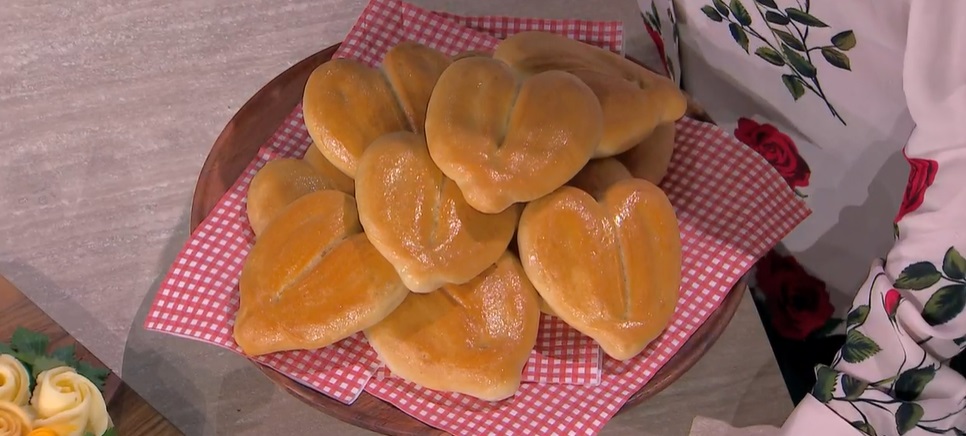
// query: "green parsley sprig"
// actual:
[[30, 348]]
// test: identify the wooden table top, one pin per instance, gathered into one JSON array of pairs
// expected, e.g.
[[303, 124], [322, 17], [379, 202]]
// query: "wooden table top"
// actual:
[[129, 412], [107, 111]]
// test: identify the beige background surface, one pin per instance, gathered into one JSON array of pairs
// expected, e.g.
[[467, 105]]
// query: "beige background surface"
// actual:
[[107, 111]]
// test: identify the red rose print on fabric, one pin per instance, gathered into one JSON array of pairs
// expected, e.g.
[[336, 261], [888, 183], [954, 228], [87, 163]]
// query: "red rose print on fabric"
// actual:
[[922, 173], [797, 302], [891, 302], [658, 42], [777, 148]]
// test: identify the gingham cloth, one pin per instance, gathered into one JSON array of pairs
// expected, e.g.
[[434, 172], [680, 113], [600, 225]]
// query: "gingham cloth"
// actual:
[[732, 207]]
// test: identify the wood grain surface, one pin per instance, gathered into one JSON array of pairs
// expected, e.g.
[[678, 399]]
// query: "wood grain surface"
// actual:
[[238, 144], [108, 109], [129, 412]]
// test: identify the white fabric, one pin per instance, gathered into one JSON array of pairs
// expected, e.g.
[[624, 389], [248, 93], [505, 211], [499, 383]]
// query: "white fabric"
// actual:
[[906, 89]]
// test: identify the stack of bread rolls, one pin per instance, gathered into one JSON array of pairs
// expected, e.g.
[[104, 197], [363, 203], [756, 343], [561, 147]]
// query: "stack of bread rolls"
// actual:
[[446, 201]]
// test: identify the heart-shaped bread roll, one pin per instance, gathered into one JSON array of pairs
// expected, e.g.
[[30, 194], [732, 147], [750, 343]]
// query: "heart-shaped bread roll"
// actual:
[[413, 70], [472, 54], [278, 184], [609, 268], [313, 279], [650, 159], [417, 217], [473, 338], [347, 105], [505, 141], [634, 100], [340, 181], [598, 175]]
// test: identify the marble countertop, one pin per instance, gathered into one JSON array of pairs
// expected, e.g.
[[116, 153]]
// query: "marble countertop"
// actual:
[[107, 111]]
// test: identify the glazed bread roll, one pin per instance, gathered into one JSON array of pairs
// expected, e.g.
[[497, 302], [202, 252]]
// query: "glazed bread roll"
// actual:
[[347, 105], [473, 338], [503, 140], [417, 217], [609, 268], [598, 175], [313, 279], [412, 70], [340, 182], [278, 184], [650, 159], [471, 54], [634, 100]]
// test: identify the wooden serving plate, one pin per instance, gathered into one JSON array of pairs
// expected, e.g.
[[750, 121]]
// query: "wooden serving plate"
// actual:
[[238, 144]]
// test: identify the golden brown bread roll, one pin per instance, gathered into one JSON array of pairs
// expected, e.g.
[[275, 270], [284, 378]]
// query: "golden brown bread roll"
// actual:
[[473, 338], [546, 309], [598, 175], [650, 159], [471, 54], [610, 269], [313, 279], [634, 100], [505, 141], [278, 184], [340, 181], [346, 105], [412, 70], [417, 217], [534, 51]]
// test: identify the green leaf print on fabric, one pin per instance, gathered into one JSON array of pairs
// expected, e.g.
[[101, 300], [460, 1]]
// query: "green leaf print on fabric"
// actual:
[[864, 428], [803, 17], [789, 40], [770, 56], [945, 304], [949, 300], [910, 384], [954, 265], [786, 45], [739, 35], [918, 276], [776, 18], [858, 316], [858, 347], [824, 384], [740, 13], [795, 85], [907, 417], [844, 41], [712, 13], [837, 58], [853, 387], [801, 65]]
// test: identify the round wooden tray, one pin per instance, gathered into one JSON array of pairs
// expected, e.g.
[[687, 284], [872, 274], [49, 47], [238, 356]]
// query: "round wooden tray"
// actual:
[[238, 144]]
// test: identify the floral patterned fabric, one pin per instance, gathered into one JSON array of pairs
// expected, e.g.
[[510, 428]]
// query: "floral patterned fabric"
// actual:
[[861, 107]]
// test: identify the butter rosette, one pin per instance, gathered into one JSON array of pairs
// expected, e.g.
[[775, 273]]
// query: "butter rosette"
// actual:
[[69, 404], [14, 381], [14, 420]]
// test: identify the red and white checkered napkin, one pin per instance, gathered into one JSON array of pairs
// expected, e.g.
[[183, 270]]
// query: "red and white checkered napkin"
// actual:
[[731, 204]]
